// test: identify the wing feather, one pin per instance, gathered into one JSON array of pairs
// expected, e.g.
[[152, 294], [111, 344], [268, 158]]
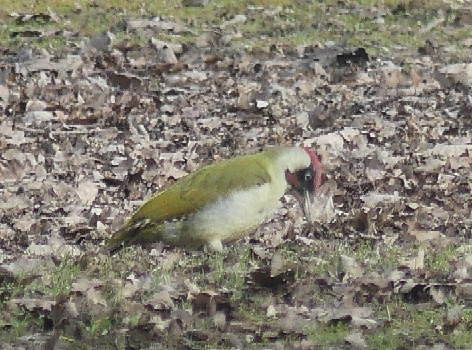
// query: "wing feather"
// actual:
[[204, 186]]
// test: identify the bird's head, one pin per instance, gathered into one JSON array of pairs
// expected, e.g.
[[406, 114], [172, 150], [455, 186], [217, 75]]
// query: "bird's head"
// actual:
[[304, 178]]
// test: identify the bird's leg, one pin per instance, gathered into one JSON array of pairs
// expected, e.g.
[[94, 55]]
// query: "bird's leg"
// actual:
[[214, 246]]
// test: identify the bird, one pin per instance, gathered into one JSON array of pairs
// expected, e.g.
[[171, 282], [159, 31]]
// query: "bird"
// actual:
[[224, 201]]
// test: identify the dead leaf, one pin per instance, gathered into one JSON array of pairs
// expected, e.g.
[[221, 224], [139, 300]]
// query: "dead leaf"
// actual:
[[277, 264], [356, 340], [34, 304], [160, 300], [351, 266], [87, 192], [416, 263]]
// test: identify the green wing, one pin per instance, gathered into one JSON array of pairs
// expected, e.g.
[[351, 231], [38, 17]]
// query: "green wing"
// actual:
[[204, 186]]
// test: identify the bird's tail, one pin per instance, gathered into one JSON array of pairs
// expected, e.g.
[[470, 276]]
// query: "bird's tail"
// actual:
[[140, 232], [119, 239]]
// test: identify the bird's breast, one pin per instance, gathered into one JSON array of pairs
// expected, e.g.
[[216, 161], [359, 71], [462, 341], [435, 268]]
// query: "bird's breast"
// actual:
[[232, 216]]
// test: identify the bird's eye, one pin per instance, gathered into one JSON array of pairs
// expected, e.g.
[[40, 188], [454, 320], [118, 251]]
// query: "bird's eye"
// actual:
[[308, 176]]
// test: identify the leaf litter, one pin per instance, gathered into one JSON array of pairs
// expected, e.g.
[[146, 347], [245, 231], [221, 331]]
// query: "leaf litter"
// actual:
[[88, 133]]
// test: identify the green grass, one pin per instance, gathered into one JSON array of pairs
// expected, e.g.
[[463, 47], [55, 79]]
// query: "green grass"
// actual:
[[410, 326], [326, 335], [296, 22], [401, 323]]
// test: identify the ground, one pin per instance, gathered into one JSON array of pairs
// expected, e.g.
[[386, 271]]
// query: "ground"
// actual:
[[105, 103]]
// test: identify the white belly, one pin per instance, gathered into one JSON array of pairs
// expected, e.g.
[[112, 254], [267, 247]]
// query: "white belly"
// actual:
[[234, 216]]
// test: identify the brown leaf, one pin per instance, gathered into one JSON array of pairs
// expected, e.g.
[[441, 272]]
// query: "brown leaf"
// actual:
[[356, 339], [22, 267], [277, 264], [351, 266], [87, 192], [160, 301], [34, 304]]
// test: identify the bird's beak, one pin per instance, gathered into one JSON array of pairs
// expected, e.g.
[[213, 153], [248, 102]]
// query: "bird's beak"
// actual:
[[307, 205]]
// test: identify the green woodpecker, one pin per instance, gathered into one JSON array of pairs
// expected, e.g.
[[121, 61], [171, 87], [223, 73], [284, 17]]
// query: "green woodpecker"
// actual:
[[223, 201]]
